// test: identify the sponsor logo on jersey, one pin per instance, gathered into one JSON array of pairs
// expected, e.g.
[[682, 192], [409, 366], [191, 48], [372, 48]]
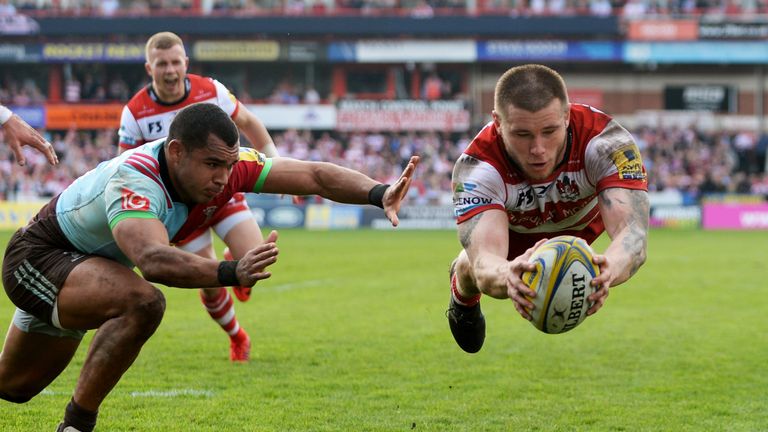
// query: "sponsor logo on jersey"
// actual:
[[251, 155], [629, 163], [202, 96], [464, 187], [133, 201], [524, 197]]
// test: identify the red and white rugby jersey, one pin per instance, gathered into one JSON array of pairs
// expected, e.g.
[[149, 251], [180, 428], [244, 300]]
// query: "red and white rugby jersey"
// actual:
[[146, 118], [601, 154]]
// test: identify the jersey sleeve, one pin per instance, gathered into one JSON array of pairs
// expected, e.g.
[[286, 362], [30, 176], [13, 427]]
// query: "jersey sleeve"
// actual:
[[477, 187], [129, 134], [613, 159], [226, 100], [250, 171], [133, 194]]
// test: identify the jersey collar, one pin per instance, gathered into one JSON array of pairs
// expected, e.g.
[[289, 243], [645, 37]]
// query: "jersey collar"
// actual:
[[166, 176], [156, 98]]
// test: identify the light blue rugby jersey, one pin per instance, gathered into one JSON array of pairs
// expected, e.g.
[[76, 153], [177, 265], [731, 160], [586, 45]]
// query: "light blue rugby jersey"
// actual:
[[126, 186]]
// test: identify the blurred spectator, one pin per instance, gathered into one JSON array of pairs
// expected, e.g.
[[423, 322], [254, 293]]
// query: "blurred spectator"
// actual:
[[311, 96], [6, 8]]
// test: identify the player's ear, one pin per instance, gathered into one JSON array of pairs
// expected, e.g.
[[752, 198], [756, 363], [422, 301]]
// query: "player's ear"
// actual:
[[175, 151], [148, 68], [186, 63], [496, 119]]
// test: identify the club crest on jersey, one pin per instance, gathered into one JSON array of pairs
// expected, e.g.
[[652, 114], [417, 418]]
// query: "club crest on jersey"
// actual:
[[567, 188], [133, 201], [629, 163]]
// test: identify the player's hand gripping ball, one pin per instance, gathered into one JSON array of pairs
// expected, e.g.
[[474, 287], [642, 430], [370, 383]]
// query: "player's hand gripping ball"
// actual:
[[564, 270]]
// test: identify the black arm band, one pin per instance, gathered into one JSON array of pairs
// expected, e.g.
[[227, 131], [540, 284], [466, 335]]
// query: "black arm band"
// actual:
[[376, 195], [227, 273]]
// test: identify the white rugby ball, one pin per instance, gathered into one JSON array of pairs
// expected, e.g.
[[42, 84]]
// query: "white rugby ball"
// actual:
[[564, 270]]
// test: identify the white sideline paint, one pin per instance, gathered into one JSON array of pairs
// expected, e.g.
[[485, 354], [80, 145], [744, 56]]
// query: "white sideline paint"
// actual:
[[293, 285], [172, 393], [148, 393]]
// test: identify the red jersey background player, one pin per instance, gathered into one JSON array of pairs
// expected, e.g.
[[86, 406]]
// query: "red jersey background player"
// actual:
[[543, 167], [147, 117]]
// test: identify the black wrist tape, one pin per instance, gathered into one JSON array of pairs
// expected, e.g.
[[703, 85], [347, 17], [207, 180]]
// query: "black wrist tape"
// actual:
[[376, 195], [227, 273]]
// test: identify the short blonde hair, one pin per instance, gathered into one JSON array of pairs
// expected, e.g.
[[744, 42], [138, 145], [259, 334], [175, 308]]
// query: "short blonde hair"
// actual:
[[162, 40], [529, 87]]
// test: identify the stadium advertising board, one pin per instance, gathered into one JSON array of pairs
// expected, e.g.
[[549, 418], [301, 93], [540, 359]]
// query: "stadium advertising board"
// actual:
[[237, 50], [715, 98], [343, 52], [316, 117], [657, 30], [554, 50], [301, 51], [432, 217], [326, 216], [734, 216], [14, 215], [34, 115], [733, 30], [709, 52], [437, 51], [93, 52], [105, 116], [16, 52], [675, 216], [402, 115]]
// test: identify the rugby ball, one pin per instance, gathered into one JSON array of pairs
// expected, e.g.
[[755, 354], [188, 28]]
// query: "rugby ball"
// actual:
[[561, 280]]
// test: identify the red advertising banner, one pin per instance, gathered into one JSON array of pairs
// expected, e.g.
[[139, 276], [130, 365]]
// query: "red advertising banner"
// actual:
[[450, 116], [83, 116], [592, 97], [668, 30]]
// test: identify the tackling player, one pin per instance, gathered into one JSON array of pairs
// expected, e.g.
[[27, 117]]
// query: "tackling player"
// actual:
[[147, 117], [70, 269], [543, 167]]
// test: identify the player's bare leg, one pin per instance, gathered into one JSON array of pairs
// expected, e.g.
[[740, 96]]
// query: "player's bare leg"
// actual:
[[31, 361], [98, 293], [465, 317], [219, 305]]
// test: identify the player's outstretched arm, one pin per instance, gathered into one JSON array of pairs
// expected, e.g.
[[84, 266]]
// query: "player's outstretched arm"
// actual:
[[145, 242], [18, 133], [486, 242], [625, 213], [336, 183]]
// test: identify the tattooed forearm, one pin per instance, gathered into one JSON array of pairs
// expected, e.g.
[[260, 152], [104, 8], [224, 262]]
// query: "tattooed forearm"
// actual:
[[635, 241], [466, 229]]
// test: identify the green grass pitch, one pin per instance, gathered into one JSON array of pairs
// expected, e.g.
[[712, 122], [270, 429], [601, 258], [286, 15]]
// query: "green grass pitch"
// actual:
[[350, 335]]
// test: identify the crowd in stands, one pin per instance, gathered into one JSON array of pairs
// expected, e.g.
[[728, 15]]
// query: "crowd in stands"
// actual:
[[416, 8], [692, 162]]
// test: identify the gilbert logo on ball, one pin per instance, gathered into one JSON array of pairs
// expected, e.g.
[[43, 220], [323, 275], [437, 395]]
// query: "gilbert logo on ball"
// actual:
[[564, 270]]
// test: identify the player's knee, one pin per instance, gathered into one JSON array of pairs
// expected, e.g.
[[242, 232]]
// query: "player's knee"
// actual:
[[148, 309], [18, 397]]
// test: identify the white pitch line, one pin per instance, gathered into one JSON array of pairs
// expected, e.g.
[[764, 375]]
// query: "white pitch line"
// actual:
[[173, 393], [293, 285]]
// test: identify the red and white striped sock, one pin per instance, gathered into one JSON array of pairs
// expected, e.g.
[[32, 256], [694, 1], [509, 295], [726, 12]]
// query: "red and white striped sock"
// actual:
[[222, 310], [460, 299]]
